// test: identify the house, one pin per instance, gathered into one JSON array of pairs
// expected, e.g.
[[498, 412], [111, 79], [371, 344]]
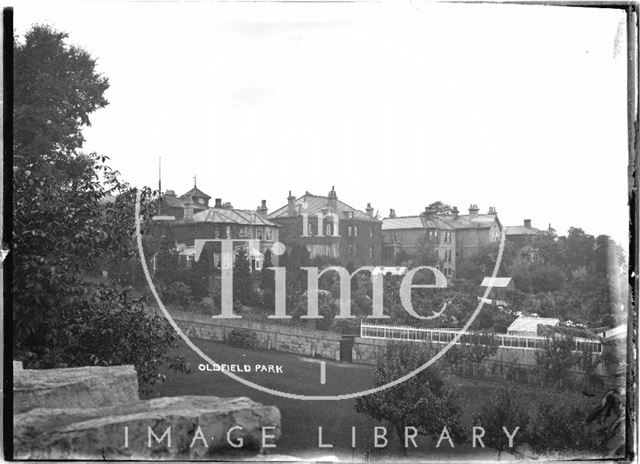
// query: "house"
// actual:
[[223, 221], [473, 231], [172, 205], [521, 236], [328, 227], [412, 234]]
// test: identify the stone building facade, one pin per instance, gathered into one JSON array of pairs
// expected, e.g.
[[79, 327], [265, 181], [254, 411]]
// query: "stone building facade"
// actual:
[[329, 228], [412, 234], [474, 230]]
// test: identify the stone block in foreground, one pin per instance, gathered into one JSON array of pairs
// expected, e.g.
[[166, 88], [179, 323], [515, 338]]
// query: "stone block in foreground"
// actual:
[[78, 387], [100, 432]]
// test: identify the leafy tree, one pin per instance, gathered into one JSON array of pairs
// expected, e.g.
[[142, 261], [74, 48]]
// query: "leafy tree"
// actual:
[[61, 230], [560, 424], [555, 358], [242, 281], [427, 401], [437, 207], [504, 408]]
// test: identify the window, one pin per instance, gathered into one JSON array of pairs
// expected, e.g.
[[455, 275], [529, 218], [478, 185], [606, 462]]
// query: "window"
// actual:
[[268, 233], [328, 229], [258, 265], [355, 231], [350, 231], [350, 249], [447, 237], [395, 236], [259, 234], [371, 252], [370, 232]]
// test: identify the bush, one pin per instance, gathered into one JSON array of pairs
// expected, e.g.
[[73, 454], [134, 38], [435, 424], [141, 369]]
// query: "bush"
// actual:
[[243, 338], [178, 292]]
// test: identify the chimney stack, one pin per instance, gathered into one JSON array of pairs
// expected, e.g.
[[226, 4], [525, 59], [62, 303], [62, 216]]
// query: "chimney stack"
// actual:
[[188, 210], [428, 212], [332, 199], [473, 210], [455, 212], [492, 210], [291, 205], [527, 223], [262, 209], [218, 203], [369, 210], [392, 213]]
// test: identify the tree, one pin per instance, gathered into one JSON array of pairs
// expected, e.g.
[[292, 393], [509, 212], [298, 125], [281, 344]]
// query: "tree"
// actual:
[[427, 401], [560, 424], [437, 207], [504, 408], [242, 281], [60, 228], [555, 358]]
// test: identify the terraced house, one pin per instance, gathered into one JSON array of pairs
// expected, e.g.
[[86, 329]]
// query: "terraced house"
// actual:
[[410, 235], [330, 228], [452, 237]]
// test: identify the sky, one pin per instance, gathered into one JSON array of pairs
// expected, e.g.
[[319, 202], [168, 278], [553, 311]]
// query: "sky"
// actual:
[[520, 107]]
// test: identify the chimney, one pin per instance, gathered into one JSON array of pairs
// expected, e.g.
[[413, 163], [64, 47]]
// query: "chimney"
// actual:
[[392, 213], [369, 210], [492, 210], [262, 209], [188, 210], [527, 223], [218, 203], [455, 212], [473, 210], [291, 205], [332, 199]]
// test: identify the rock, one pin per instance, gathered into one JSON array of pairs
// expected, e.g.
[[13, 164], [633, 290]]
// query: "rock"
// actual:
[[78, 387], [17, 365], [90, 433]]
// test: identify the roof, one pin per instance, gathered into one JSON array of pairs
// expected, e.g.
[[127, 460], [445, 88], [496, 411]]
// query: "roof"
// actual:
[[523, 230], [232, 216], [498, 282], [172, 201], [530, 324], [415, 222], [466, 221], [313, 204], [617, 332], [195, 192]]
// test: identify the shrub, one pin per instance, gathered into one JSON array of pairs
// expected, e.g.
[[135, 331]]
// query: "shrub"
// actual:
[[243, 338]]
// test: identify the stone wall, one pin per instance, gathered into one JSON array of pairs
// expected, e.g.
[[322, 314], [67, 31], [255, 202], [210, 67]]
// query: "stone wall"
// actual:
[[95, 413], [296, 340]]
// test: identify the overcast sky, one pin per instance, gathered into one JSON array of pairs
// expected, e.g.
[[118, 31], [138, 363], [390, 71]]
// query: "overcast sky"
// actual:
[[518, 107]]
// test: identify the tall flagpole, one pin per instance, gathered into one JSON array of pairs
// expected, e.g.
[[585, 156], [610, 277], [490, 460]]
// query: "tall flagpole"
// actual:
[[159, 184]]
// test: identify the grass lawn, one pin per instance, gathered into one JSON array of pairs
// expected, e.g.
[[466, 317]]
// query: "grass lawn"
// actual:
[[301, 419]]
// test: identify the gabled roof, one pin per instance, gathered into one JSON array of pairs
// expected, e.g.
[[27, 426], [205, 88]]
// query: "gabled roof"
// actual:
[[466, 221], [523, 230], [195, 192], [231, 216], [415, 222], [313, 204]]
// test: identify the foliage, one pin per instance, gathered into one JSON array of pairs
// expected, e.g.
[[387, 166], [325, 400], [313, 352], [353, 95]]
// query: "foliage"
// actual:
[[504, 408], [62, 229], [243, 338], [177, 292], [427, 401], [97, 330], [555, 358], [560, 424], [243, 290]]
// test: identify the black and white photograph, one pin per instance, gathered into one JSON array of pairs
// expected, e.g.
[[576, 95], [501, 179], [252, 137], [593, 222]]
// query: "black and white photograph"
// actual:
[[300, 231]]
